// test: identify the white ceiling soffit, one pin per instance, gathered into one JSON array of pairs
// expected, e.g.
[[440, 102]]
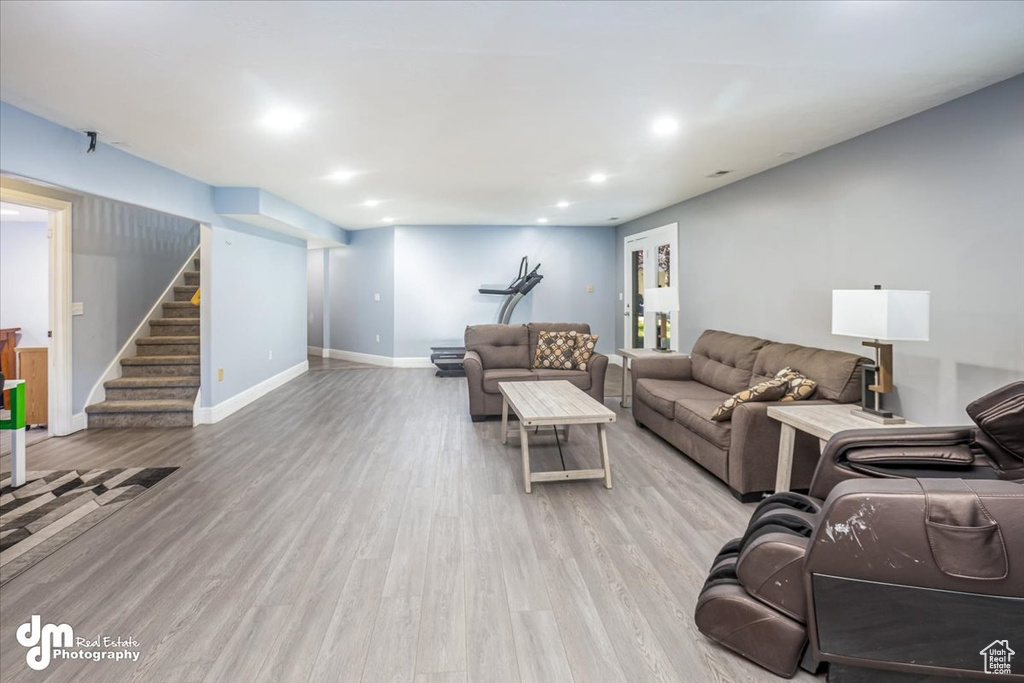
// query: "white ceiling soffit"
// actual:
[[493, 112]]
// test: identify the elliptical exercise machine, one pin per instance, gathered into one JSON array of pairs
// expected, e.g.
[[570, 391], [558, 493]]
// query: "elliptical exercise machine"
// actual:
[[515, 292], [448, 359]]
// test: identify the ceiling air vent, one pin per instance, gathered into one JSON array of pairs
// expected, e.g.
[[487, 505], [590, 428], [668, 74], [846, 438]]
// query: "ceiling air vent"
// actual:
[[718, 174], [614, 218]]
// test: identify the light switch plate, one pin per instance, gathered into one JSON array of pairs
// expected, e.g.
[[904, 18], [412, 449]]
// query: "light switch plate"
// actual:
[[376, 297], [77, 308], [590, 289]]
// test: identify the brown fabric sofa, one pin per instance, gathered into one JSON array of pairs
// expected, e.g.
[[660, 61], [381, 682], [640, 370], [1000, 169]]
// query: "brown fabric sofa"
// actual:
[[504, 353], [675, 396]]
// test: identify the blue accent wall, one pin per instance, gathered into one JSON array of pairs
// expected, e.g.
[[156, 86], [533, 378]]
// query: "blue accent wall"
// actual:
[[438, 270]]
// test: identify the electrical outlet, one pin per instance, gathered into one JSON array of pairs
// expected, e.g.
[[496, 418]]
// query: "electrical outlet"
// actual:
[[270, 355], [377, 338], [376, 297], [620, 296], [77, 308], [590, 289], [220, 374]]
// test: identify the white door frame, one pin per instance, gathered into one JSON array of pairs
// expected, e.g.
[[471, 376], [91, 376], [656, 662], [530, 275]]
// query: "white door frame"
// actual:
[[61, 420], [666, 234]]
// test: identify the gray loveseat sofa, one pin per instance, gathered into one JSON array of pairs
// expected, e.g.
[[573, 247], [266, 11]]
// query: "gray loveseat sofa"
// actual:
[[504, 353], [675, 396]]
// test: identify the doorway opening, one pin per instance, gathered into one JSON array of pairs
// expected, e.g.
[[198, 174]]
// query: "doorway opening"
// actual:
[[35, 311]]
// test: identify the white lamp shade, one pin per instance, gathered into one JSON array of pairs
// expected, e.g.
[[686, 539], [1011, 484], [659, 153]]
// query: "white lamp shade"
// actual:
[[884, 314], [661, 300]]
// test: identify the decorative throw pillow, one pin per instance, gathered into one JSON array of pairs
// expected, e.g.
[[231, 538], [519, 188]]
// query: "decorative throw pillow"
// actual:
[[585, 345], [555, 350], [768, 390], [798, 386]]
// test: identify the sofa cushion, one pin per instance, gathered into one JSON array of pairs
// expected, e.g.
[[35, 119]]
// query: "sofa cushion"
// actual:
[[534, 330], [555, 350], [662, 394], [769, 390], [579, 378], [586, 346], [499, 346], [492, 377], [725, 361], [837, 373], [695, 415]]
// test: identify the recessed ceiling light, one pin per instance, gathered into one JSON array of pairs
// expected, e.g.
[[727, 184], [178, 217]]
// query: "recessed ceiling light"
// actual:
[[371, 202], [563, 204], [341, 176], [665, 126], [283, 120], [388, 219], [598, 178], [9, 212], [542, 220]]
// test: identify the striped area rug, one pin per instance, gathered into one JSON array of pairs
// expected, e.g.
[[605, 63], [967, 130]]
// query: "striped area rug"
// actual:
[[54, 507]]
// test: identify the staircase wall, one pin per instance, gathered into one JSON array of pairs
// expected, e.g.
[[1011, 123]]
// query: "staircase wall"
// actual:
[[123, 256]]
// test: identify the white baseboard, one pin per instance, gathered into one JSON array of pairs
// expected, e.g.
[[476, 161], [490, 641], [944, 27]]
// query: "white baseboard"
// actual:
[[79, 421], [382, 361], [356, 357], [413, 362], [614, 359], [213, 414], [317, 351]]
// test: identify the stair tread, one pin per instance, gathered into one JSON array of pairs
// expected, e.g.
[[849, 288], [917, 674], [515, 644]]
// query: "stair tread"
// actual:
[[182, 288], [164, 339], [161, 360], [143, 406], [174, 321], [158, 382]]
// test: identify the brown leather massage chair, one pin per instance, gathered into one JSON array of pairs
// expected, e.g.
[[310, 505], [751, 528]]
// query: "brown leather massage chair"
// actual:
[[904, 563]]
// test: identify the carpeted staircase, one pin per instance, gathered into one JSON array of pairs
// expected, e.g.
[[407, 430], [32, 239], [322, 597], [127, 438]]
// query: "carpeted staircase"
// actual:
[[157, 387]]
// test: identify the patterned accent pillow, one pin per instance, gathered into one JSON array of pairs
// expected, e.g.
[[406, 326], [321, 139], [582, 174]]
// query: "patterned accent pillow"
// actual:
[[585, 346], [798, 386], [768, 390], [555, 350]]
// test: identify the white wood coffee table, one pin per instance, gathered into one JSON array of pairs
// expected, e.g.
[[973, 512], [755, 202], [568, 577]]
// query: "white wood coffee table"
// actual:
[[821, 421], [555, 403]]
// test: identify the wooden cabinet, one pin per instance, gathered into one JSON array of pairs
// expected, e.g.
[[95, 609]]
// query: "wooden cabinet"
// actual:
[[8, 340], [33, 367]]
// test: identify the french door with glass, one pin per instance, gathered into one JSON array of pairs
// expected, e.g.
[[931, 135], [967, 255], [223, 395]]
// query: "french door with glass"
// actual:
[[650, 263]]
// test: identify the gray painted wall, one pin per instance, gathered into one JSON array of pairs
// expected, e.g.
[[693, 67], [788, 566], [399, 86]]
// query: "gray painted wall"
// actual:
[[315, 297], [260, 307], [931, 202], [25, 280], [365, 267], [438, 270], [122, 259]]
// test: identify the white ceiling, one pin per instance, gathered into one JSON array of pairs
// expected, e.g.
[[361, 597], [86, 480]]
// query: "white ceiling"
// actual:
[[22, 214], [491, 112]]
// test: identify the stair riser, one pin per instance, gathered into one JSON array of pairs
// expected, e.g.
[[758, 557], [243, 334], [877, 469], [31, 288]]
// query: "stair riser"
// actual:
[[151, 394], [167, 349], [183, 312], [125, 420], [160, 370], [192, 279], [184, 295], [191, 330]]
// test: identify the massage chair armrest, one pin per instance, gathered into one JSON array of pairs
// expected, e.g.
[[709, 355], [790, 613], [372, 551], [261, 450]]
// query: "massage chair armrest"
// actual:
[[866, 453], [946, 534], [675, 367]]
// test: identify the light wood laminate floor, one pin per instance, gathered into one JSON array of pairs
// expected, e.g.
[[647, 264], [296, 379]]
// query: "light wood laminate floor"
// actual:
[[355, 525]]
